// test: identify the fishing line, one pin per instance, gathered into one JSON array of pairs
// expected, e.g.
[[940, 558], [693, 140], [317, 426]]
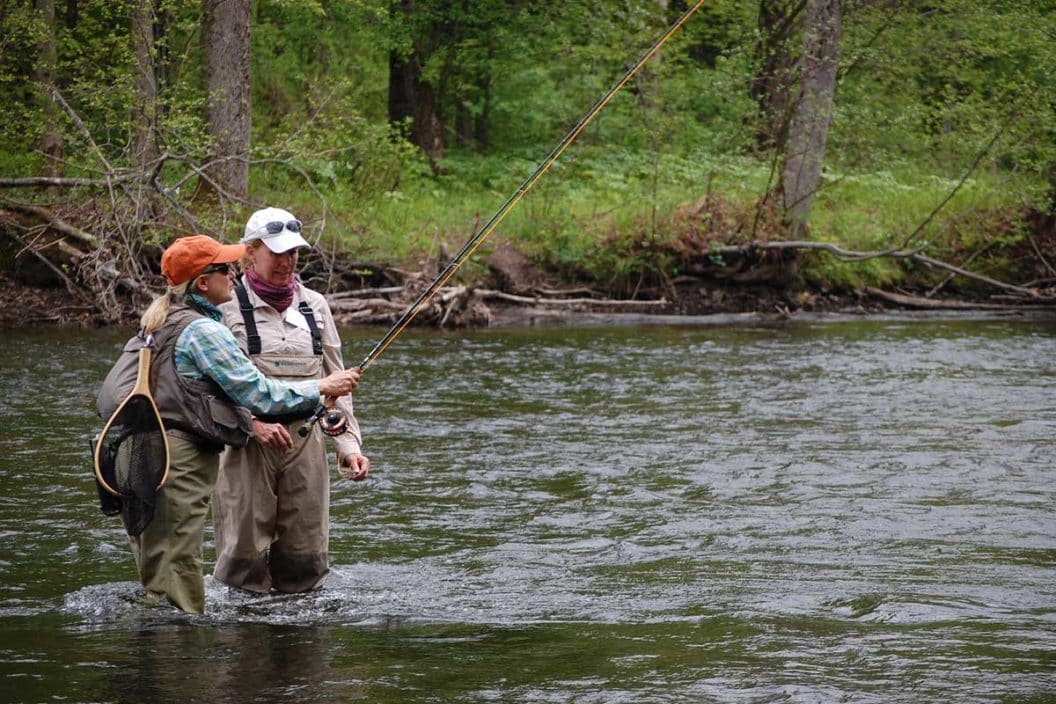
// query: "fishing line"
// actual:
[[486, 229]]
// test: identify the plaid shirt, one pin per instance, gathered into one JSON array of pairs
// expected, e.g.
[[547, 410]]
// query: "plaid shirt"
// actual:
[[207, 348]]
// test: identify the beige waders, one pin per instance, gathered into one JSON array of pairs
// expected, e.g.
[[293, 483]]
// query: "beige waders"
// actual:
[[272, 508], [169, 552]]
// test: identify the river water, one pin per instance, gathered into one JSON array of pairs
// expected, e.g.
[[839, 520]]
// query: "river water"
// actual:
[[857, 510]]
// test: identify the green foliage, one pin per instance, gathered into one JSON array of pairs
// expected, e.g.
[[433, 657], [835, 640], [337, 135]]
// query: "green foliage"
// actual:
[[20, 32], [307, 54], [92, 72], [937, 83], [928, 94]]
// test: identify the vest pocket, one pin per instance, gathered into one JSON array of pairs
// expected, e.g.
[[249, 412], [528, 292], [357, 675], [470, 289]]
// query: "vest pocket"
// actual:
[[231, 420]]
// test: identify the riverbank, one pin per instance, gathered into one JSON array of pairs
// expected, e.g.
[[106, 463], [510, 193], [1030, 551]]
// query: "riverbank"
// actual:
[[694, 261], [484, 305]]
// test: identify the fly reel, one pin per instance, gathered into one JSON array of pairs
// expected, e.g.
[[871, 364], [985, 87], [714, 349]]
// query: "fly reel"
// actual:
[[332, 421]]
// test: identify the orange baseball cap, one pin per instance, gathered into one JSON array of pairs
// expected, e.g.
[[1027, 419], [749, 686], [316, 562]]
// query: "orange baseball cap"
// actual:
[[186, 257]]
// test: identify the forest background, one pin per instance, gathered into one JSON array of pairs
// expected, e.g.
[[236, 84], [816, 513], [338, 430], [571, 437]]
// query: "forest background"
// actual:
[[813, 147]]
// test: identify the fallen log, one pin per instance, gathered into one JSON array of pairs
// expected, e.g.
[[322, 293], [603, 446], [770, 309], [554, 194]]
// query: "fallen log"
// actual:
[[557, 292], [539, 301], [66, 182], [349, 306], [71, 285], [933, 304], [854, 256], [360, 293]]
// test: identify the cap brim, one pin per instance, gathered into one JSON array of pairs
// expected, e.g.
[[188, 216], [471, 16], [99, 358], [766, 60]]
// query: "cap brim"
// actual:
[[229, 253], [284, 242]]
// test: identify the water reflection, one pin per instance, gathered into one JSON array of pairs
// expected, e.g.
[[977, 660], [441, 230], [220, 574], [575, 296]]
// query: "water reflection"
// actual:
[[186, 663]]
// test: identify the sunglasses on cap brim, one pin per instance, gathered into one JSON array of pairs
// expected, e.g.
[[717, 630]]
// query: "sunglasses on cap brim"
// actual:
[[276, 226]]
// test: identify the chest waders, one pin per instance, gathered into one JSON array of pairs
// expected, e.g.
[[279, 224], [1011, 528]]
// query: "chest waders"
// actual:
[[199, 419], [271, 508], [288, 367]]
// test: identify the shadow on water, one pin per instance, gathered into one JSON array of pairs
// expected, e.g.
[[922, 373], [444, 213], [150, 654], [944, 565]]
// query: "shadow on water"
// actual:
[[807, 512]]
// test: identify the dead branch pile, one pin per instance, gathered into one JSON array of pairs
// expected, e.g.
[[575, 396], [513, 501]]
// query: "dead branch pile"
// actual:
[[466, 306]]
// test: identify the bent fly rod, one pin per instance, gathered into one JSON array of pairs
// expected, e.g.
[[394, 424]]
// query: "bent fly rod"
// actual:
[[486, 229]]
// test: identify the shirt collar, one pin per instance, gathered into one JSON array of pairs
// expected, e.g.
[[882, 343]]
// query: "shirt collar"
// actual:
[[205, 306]]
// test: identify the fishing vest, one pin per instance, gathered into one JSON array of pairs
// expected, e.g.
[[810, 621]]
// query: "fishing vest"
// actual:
[[199, 408], [285, 367]]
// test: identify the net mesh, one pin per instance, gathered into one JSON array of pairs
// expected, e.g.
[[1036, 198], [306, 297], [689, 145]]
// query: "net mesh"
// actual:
[[133, 460]]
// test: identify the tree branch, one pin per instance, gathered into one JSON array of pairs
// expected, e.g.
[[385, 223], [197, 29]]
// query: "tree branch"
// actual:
[[72, 287], [61, 182], [54, 221], [850, 255]]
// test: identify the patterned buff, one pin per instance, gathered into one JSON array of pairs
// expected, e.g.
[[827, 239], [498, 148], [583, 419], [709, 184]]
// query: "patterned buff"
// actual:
[[278, 297]]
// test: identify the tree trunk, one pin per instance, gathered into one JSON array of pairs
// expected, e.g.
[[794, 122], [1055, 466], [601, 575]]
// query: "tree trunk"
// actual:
[[145, 86], [481, 131], [812, 110], [401, 88], [456, 84], [473, 83], [647, 82], [463, 126], [51, 143], [225, 35], [411, 97], [772, 85]]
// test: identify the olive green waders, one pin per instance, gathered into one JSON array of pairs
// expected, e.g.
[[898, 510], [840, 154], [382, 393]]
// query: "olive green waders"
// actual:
[[169, 552]]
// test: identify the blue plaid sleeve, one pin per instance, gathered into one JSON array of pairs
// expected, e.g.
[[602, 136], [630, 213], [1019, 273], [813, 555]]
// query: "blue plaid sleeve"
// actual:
[[207, 348]]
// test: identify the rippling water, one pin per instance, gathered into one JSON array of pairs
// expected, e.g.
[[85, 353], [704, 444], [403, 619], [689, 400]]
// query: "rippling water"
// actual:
[[807, 512]]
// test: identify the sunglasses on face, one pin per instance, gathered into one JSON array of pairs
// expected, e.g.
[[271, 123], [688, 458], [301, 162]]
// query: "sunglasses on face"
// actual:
[[276, 226], [218, 268]]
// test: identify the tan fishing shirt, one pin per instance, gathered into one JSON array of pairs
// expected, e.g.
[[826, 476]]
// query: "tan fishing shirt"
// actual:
[[288, 333]]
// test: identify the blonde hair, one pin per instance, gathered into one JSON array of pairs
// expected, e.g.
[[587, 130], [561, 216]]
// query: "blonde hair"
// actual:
[[158, 310], [247, 257]]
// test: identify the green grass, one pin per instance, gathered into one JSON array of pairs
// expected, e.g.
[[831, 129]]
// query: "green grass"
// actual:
[[607, 213], [610, 216]]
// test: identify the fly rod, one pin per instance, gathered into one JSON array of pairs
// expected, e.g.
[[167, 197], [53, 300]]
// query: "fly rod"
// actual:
[[486, 229]]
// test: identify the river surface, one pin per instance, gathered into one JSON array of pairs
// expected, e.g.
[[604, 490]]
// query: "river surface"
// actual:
[[857, 510]]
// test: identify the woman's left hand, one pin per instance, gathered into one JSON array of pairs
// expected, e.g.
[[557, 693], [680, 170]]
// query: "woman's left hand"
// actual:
[[273, 435], [355, 467]]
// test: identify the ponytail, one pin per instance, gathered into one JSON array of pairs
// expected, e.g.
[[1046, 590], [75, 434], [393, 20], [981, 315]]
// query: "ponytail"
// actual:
[[156, 313]]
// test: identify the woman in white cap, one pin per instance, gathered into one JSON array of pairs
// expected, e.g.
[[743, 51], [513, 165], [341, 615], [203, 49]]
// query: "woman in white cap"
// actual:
[[272, 505], [196, 366]]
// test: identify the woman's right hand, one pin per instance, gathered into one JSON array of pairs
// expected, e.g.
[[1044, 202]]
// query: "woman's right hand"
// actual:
[[339, 383]]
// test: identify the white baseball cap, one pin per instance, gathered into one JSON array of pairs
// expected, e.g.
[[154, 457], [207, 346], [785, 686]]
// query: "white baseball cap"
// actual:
[[275, 227]]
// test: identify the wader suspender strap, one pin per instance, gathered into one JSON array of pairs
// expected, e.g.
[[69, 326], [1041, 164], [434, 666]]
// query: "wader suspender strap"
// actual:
[[317, 337], [253, 337]]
